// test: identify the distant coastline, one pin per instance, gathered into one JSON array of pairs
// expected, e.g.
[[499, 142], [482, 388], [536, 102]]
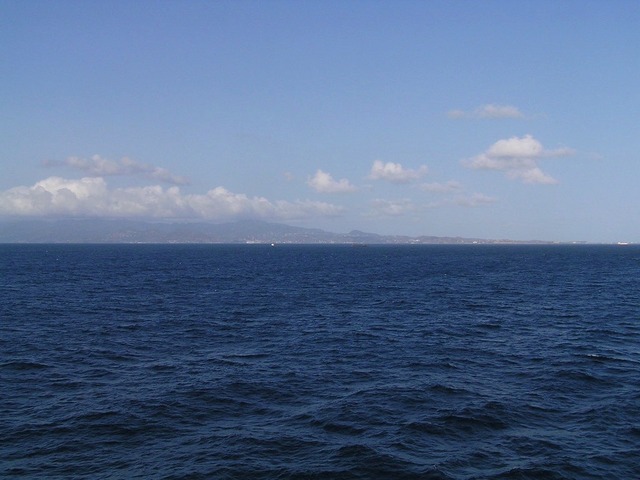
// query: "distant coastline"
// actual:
[[241, 232]]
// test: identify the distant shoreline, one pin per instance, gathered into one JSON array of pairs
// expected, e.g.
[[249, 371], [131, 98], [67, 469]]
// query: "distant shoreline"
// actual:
[[96, 231]]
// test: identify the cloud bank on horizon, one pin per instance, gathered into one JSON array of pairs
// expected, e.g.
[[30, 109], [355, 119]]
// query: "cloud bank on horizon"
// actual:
[[91, 195]]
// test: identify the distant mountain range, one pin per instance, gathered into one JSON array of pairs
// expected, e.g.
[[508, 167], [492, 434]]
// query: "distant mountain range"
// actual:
[[248, 231]]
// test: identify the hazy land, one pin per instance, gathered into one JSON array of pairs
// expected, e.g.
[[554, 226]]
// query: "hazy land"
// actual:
[[248, 231]]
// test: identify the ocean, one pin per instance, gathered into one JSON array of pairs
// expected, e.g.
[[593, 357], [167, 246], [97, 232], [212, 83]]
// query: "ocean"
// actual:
[[309, 362]]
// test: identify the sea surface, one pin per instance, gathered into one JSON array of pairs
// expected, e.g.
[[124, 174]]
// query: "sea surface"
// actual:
[[309, 362]]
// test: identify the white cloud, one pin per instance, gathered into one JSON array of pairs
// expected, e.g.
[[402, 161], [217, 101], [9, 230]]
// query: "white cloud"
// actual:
[[514, 147], [454, 194], [518, 157], [99, 167], [392, 208], [447, 187], [474, 200], [324, 183], [490, 111], [531, 175], [395, 172], [395, 208], [91, 196]]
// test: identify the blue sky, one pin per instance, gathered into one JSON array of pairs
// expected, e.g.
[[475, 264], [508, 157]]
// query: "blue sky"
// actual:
[[495, 119]]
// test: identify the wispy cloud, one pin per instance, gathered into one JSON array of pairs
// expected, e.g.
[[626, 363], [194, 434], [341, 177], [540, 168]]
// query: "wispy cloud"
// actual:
[[324, 183], [518, 157], [395, 172], [473, 200], [392, 208], [91, 196], [98, 166], [447, 187], [453, 193], [399, 207], [489, 111]]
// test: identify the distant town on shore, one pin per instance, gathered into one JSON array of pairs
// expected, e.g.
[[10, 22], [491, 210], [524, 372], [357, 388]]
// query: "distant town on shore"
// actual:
[[240, 232]]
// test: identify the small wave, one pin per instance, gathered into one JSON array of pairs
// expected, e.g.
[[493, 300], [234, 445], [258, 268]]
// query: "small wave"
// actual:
[[96, 416], [585, 377], [362, 461], [245, 356], [492, 416], [64, 385], [130, 327], [469, 424], [607, 358], [163, 367], [450, 365], [447, 390], [635, 431], [490, 325], [533, 473], [111, 425], [119, 357], [427, 427], [28, 433], [23, 365], [340, 428]]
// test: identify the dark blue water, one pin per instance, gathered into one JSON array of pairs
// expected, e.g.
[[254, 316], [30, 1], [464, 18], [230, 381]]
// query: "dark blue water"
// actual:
[[443, 362]]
